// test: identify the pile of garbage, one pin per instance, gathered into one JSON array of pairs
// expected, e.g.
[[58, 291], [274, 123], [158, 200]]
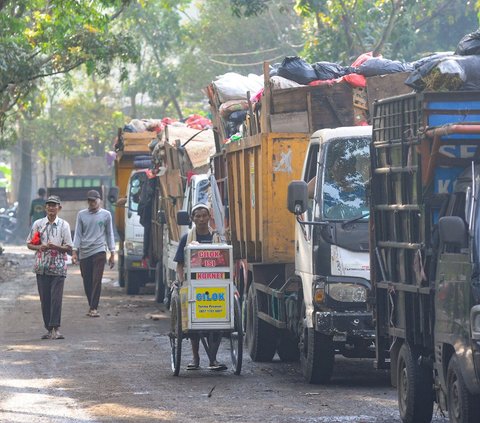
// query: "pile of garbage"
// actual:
[[158, 125], [442, 71]]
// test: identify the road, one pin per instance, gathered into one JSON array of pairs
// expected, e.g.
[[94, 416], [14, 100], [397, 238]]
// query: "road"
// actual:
[[116, 368]]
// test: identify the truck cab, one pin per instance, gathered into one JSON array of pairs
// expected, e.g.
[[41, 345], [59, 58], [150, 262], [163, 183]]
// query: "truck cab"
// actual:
[[332, 249]]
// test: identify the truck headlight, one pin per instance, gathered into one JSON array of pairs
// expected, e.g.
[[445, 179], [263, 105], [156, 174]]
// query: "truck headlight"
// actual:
[[347, 292], [134, 248], [475, 322]]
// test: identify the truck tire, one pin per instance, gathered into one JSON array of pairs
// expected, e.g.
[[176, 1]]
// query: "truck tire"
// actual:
[[259, 336], [121, 271], [463, 407], [287, 348], [159, 284], [414, 387], [132, 284], [317, 356]]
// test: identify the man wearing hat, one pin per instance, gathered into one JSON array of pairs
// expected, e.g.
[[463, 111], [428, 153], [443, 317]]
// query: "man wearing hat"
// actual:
[[200, 233], [93, 236], [50, 238]]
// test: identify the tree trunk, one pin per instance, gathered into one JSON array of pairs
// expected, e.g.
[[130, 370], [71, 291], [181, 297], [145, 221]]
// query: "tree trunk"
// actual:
[[25, 189]]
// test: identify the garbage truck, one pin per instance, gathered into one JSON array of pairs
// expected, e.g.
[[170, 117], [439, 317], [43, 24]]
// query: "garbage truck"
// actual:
[[425, 243]]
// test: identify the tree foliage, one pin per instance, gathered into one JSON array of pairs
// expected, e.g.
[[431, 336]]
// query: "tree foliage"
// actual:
[[41, 38], [340, 30]]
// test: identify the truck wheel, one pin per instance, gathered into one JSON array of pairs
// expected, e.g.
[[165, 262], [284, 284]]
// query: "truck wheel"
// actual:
[[287, 348], [121, 272], [415, 388], [132, 284], [463, 407], [159, 285], [260, 336], [317, 356]]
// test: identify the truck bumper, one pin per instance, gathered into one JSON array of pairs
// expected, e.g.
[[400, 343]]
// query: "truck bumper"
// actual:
[[350, 324], [476, 363], [134, 263]]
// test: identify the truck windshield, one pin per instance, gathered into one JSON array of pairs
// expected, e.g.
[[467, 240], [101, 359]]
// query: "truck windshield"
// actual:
[[136, 183], [345, 179], [203, 191]]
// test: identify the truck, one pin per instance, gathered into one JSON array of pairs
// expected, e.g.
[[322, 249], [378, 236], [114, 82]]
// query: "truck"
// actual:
[[131, 172], [180, 163], [425, 242], [72, 190], [304, 286]]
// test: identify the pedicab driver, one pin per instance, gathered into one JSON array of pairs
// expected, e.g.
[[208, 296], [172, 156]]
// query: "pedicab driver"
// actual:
[[201, 232]]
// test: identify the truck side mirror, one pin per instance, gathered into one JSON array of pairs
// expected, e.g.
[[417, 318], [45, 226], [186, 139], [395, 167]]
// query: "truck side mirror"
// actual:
[[475, 322], [183, 218], [112, 195], [297, 199], [161, 218], [453, 233]]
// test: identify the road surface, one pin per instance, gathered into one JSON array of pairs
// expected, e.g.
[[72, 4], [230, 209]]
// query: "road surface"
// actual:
[[116, 368]]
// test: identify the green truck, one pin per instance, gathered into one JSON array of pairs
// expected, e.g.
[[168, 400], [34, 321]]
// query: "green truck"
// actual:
[[425, 245]]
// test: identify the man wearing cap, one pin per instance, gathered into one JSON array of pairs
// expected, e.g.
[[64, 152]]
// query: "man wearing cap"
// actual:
[[93, 236], [50, 238], [200, 233]]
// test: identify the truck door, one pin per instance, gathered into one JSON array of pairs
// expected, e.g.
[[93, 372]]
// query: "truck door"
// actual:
[[303, 235]]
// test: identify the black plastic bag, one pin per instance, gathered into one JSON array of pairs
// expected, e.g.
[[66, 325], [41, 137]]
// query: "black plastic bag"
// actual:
[[436, 56], [469, 44], [328, 70], [380, 66], [449, 73], [238, 116], [297, 69]]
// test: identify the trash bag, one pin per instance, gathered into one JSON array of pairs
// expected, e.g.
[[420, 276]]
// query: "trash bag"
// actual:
[[380, 66], [328, 70], [297, 69], [451, 73], [436, 56], [238, 116], [469, 44]]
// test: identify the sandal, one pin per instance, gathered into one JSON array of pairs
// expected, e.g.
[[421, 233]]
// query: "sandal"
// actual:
[[193, 366], [93, 313], [217, 366]]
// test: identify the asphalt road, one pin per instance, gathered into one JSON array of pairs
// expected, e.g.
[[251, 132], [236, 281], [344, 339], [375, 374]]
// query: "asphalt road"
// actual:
[[116, 368]]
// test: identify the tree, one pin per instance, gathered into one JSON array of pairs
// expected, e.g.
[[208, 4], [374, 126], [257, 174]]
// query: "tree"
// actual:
[[340, 30], [220, 42], [41, 38]]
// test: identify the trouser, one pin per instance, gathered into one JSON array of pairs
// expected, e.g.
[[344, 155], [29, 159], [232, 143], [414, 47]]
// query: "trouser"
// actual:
[[91, 269], [50, 289]]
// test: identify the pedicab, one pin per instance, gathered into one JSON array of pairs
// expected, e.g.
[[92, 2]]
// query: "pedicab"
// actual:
[[207, 304]]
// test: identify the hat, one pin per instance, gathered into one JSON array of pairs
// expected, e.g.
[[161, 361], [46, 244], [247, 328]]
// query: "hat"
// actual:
[[93, 194], [53, 199], [199, 206]]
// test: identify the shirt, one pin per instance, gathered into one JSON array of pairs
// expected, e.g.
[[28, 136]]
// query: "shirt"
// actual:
[[51, 262], [93, 232], [37, 209]]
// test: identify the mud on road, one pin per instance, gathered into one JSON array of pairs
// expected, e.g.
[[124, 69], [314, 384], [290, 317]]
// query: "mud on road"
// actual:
[[116, 368]]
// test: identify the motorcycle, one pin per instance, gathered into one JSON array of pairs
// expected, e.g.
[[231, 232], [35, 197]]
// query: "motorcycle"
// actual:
[[8, 223]]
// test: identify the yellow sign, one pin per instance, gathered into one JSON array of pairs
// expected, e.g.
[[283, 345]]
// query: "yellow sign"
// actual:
[[211, 302]]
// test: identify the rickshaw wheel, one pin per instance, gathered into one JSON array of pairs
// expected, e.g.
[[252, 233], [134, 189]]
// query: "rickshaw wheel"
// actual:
[[236, 338], [176, 333]]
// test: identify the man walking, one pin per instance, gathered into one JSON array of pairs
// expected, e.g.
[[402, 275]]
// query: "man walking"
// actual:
[[50, 238], [93, 235]]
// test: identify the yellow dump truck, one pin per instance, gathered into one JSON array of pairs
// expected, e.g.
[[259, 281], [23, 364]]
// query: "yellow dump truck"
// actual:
[[131, 172], [280, 263]]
